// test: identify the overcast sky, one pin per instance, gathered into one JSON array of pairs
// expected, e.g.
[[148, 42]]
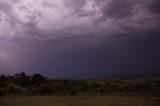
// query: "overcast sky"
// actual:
[[79, 38]]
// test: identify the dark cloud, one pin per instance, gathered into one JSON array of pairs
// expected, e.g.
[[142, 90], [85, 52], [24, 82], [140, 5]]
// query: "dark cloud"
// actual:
[[47, 4], [76, 6], [155, 6], [132, 16], [5, 6], [15, 1], [118, 9]]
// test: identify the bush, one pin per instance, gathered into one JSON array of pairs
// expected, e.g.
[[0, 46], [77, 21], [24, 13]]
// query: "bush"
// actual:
[[1, 92]]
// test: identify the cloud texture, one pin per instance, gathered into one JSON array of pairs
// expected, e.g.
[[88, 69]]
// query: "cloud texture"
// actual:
[[54, 28], [51, 19]]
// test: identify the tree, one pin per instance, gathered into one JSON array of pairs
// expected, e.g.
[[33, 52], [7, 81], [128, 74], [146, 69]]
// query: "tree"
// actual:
[[37, 79], [3, 80], [44, 88], [22, 79], [1, 92]]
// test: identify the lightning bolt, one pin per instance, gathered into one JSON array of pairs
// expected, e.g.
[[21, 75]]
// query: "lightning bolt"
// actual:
[[3, 20], [11, 35]]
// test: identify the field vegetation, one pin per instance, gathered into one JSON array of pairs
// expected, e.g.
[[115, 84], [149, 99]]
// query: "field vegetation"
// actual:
[[22, 84], [78, 101], [37, 90]]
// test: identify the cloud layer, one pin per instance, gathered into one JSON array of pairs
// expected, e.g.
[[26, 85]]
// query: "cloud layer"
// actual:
[[52, 19], [73, 33]]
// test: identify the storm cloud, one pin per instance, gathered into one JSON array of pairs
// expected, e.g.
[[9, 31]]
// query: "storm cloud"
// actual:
[[62, 36], [31, 19]]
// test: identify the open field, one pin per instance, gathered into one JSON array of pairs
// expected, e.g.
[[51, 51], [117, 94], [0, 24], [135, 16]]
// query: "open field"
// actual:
[[78, 101]]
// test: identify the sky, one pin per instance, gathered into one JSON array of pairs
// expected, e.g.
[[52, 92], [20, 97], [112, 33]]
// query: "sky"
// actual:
[[80, 38]]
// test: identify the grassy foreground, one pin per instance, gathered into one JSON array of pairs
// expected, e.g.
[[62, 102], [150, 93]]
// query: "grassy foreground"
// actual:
[[78, 101]]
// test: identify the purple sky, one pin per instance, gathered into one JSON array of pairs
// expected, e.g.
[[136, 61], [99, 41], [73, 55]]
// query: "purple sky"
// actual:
[[79, 38]]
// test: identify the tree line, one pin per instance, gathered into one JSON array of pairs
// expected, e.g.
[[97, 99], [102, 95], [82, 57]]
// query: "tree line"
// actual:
[[39, 85]]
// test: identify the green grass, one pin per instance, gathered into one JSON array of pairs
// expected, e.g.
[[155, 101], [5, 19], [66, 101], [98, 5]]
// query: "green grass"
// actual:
[[78, 101]]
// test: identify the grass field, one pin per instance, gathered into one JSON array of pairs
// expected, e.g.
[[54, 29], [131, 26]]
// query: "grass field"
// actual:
[[78, 101]]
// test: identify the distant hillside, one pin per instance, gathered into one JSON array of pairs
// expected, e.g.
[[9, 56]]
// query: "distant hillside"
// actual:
[[39, 85]]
